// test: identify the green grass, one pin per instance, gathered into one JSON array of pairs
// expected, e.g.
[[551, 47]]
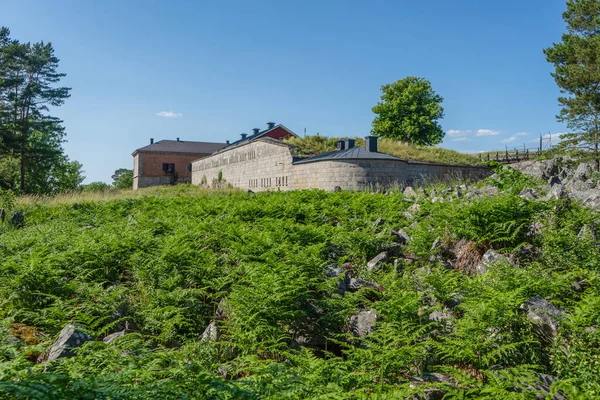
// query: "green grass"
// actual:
[[165, 259], [311, 145]]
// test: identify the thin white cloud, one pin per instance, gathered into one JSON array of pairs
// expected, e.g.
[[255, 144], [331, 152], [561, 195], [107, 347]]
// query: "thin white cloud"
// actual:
[[460, 139], [509, 139], [457, 132], [521, 134], [169, 114], [487, 132]]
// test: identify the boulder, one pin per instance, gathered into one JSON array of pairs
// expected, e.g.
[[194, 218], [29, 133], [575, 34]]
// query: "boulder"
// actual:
[[489, 258], [528, 194], [379, 221], [583, 172], [592, 199], [363, 323], [400, 236], [409, 193], [378, 261], [17, 220], [439, 316], [114, 336], [355, 284], [431, 393], [333, 270], [544, 318], [414, 209], [211, 333], [557, 192], [71, 337]]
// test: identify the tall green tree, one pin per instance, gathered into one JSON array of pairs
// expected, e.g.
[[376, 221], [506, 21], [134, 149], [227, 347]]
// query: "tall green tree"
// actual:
[[29, 86], [577, 73], [409, 111], [123, 178]]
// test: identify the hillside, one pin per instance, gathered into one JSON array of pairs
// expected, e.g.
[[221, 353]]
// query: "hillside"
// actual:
[[310, 145], [458, 291]]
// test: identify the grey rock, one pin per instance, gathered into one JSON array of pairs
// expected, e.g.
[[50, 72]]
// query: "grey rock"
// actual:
[[557, 192], [333, 270], [401, 237], [436, 243], [539, 169], [409, 193], [69, 338], [114, 336], [437, 199], [592, 199], [363, 323], [378, 261], [490, 190], [439, 316], [528, 194], [355, 284], [554, 180], [18, 219], [544, 317], [489, 258], [587, 233], [379, 221], [543, 387], [211, 333], [414, 209], [583, 172], [535, 228]]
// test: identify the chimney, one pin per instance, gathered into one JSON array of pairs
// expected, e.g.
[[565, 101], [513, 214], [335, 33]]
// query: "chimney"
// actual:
[[371, 144], [350, 143], [243, 136], [340, 144], [227, 142], [270, 125], [255, 130], [178, 139], [151, 140]]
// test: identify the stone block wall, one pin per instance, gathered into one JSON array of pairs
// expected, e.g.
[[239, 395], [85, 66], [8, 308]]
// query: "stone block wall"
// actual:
[[260, 166], [257, 166]]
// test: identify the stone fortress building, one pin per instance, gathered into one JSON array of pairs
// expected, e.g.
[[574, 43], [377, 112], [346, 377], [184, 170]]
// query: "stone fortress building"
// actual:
[[268, 164], [262, 161]]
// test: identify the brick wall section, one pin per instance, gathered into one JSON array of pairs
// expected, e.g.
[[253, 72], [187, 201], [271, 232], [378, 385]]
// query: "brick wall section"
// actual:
[[260, 166], [148, 168]]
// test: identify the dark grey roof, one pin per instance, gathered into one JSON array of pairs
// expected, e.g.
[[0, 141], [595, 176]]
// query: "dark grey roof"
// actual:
[[174, 146], [258, 135], [355, 153]]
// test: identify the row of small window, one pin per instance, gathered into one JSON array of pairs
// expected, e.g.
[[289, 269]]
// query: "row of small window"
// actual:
[[267, 182], [169, 168]]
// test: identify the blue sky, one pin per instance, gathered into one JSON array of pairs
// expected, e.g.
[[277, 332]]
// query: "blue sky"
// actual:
[[221, 68]]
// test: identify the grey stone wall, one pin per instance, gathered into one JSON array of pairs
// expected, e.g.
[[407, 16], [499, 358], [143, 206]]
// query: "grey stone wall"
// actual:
[[260, 166]]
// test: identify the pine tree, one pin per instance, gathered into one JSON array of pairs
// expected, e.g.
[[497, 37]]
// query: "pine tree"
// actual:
[[577, 74]]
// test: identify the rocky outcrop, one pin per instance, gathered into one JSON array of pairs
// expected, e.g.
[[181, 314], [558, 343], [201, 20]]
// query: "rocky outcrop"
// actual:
[[211, 333], [70, 338], [538, 169]]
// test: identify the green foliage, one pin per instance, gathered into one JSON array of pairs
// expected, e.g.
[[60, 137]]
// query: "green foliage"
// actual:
[[122, 178], [96, 187], [506, 178], [169, 261], [577, 59], [33, 160], [409, 111]]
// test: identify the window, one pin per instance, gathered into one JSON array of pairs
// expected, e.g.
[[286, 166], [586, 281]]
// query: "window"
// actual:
[[168, 168]]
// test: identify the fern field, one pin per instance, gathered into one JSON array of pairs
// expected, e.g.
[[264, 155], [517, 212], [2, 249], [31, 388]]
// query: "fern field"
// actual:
[[283, 276]]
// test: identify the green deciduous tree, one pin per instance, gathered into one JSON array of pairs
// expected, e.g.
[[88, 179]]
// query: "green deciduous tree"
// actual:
[[123, 178], [577, 73], [29, 86], [409, 111]]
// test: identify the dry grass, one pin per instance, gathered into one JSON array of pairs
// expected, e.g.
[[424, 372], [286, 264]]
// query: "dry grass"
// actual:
[[108, 195]]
